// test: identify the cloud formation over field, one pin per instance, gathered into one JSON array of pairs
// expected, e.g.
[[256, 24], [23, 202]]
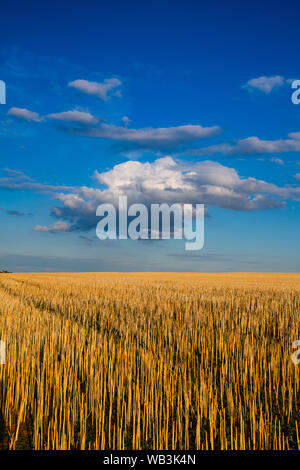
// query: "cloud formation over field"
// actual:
[[164, 180]]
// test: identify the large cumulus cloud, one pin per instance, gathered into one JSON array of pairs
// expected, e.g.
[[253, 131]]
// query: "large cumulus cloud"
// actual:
[[164, 180]]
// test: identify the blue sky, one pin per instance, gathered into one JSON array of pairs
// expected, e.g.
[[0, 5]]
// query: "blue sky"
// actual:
[[136, 98]]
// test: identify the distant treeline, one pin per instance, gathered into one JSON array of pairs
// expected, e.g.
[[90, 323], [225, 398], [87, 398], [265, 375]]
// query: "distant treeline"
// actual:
[[3, 271]]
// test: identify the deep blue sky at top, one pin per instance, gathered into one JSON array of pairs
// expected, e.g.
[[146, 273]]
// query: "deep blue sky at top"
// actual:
[[179, 63]]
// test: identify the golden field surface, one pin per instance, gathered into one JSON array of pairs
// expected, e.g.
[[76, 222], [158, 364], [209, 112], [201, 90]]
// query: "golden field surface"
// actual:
[[149, 361]]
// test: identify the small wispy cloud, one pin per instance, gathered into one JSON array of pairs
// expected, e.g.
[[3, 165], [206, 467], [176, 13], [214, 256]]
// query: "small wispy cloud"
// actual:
[[278, 161], [88, 240], [26, 114], [102, 90], [17, 174], [15, 212], [19, 181], [76, 116], [55, 227], [126, 120], [265, 84]]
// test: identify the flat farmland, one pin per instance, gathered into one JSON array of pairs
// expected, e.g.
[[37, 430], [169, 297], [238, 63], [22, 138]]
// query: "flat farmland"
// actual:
[[149, 361]]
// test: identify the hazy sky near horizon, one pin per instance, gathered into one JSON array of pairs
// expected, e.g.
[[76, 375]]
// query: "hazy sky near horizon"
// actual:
[[160, 101]]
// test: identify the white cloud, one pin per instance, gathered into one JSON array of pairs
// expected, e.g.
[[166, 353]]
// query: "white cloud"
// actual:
[[251, 146], [126, 120], [150, 137], [168, 180], [163, 180], [277, 160], [23, 113], [98, 89], [79, 117], [117, 93], [55, 227], [265, 84]]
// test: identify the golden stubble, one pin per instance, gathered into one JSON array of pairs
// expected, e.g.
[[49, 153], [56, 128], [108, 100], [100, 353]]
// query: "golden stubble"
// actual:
[[149, 361]]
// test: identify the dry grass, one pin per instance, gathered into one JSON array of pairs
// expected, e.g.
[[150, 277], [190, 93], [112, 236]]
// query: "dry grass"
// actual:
[[149, 361]]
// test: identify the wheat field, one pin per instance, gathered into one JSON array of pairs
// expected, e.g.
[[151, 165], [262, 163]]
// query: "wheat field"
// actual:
[[149, 361]]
